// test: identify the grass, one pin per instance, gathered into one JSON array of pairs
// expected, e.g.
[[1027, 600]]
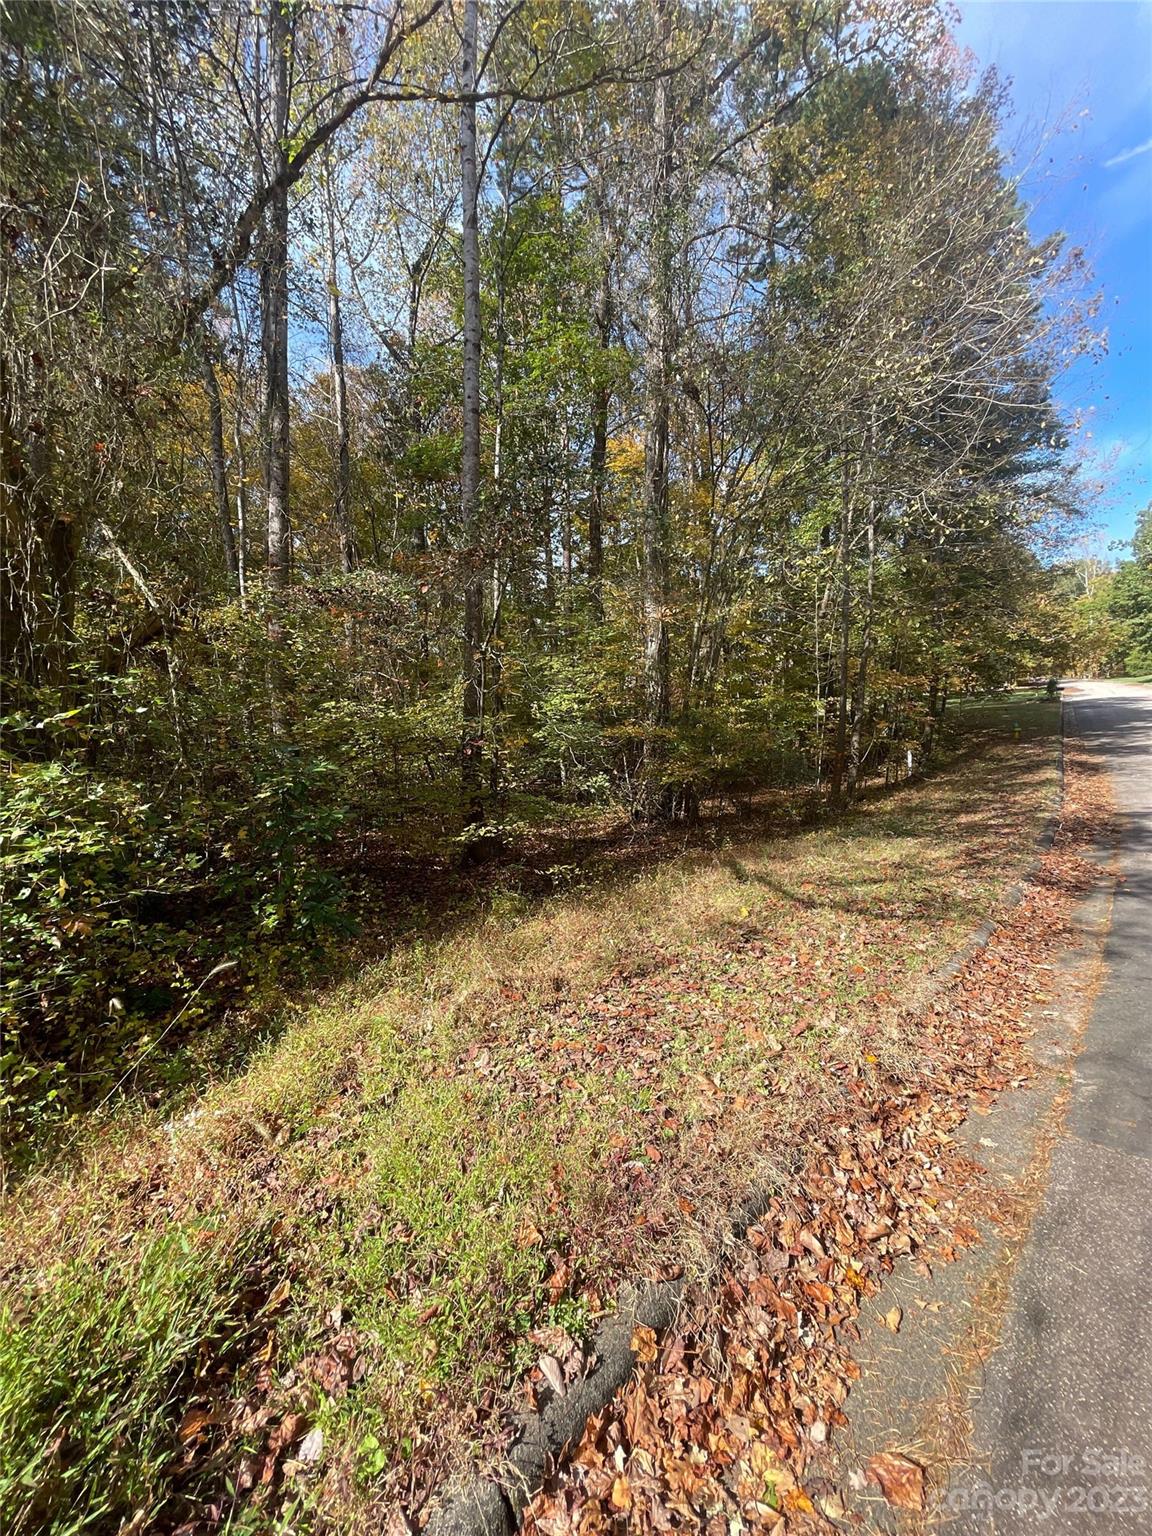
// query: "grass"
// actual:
[[1029, 708], [97, 1373], [444, 1169]]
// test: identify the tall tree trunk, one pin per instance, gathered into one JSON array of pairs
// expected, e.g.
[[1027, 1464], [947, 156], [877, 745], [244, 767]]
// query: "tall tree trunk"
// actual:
[[240, 451], [241, 463], [654, 531], [218, 461], [840, 751], [275, 319], [547, 534], [494, 652], [417, 271], [599, 469], [342, 504], [566, 552], [39, 547], [860, 694], [598, 463], [472, 758]]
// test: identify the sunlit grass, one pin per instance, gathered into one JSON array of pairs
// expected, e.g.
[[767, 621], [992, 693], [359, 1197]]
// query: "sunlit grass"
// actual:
[[493, 1125], [100, 1362]]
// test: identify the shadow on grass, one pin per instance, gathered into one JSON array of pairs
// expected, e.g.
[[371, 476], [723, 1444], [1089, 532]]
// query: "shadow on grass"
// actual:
[[972, 830], [402, 898]]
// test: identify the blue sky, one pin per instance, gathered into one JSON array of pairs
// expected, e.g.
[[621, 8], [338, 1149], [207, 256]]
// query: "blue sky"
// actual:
[[1085, 66]]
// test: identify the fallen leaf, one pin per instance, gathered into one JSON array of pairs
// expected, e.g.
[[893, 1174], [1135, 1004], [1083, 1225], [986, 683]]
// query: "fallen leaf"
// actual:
[[831, 1505], [899, 1479], [644, 1344], [893, 1318], [553, 1375], [558, 1281], [280, 1294], [311, 1448], [621, 1492], [797, 1502], [286, 1432], [194, 1423]]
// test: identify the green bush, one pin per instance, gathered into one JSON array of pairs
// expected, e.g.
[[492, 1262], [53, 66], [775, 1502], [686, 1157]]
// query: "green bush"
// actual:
[[82, 968], [117, 907]]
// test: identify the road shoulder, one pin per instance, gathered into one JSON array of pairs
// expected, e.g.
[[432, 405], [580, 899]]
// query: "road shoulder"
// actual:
[[927, 1386]]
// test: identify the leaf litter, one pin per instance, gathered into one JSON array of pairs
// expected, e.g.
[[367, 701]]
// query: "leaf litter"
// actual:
[[718, 1427]]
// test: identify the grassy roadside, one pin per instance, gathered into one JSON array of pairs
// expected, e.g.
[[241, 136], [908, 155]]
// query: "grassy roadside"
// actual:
[[414, 1206]]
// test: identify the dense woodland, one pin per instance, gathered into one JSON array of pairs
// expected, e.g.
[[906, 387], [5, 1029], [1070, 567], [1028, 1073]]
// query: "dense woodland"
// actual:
[[426, 422]]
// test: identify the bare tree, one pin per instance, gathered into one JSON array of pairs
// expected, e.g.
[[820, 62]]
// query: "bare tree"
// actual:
[[342, 501], [473, 701], [274, 278]]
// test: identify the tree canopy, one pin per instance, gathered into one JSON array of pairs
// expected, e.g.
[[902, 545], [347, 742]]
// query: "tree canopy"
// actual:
[[421, 422]]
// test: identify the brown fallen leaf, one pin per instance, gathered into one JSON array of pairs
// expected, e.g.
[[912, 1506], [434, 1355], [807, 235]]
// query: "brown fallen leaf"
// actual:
[[621, 1492], [279, 1296], [893, 1318], [553, 1375], [559, 1280], [831, 1505], [194, 1423], [644, 1344], [290, 1429], [899, 1478]]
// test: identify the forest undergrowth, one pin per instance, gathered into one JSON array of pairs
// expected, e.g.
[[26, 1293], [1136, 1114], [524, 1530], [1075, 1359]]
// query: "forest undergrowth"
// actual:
[[327, 1281]]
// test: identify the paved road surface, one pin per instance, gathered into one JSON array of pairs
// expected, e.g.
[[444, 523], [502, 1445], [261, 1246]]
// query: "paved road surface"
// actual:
[[1063, 1426]]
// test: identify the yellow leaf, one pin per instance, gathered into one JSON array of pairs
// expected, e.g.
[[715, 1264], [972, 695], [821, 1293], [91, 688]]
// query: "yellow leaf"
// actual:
[[644, 1344], [797, 1502], [280, 1294]]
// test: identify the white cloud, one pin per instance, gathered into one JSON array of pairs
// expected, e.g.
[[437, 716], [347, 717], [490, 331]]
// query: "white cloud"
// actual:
[[1128, 154]]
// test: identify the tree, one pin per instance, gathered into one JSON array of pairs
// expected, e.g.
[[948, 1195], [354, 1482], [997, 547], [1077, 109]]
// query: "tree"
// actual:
[[421, 420]]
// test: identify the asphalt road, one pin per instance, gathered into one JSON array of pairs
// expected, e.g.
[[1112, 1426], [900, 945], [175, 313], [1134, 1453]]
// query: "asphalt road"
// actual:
[[1063, 1425]]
